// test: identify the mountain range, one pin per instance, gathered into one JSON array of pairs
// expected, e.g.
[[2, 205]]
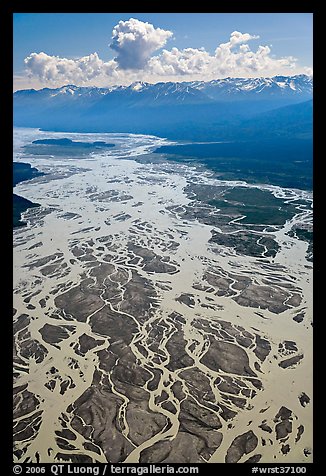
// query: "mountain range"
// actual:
[[221, 109]]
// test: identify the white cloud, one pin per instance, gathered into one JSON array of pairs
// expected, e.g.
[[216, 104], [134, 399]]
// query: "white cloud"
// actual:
[[231, 61], [234, 58], [237, 38], [53, 68], [308, 71], [180, 62], [136, 41]]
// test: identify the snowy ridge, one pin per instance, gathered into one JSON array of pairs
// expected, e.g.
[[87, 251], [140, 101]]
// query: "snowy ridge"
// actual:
[[277, 85], [199, 90]]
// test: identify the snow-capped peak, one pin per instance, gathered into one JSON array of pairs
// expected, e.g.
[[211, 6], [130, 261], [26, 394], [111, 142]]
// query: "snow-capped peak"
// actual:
[[137, 85], [299, 86]]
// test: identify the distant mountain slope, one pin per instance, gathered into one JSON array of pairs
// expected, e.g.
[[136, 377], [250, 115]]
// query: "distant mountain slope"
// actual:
[[290, 87], [190, 110], [294, 120]]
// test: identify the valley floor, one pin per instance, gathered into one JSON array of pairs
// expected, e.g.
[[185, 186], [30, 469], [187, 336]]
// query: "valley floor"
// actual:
[[150, 326]]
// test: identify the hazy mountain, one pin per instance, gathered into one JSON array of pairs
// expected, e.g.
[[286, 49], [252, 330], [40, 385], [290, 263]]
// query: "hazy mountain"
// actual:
[[294, 120], [285, 87], [189, 110]]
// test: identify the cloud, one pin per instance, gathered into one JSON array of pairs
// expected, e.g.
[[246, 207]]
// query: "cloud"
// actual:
[[234, 58], [53, 68], [237, 37], [135, 41], [229, 59], [180, 62], [308, 71]]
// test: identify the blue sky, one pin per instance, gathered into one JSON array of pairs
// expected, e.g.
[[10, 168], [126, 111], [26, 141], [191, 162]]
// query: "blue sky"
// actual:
[[157, 46]]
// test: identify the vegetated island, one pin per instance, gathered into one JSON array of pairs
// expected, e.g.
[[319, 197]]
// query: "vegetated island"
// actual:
[[70, 143], [65, 147], [22, 171]]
